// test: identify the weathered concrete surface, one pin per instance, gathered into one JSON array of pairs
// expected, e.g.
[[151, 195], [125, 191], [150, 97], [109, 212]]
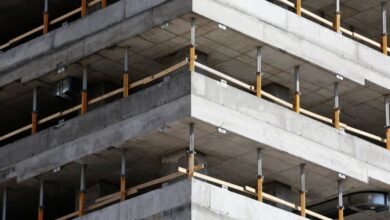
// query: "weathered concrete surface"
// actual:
[[152, 205], [86, 36], [190, 200], [218, 105], [110, 125], [300, 37], [282, 129]]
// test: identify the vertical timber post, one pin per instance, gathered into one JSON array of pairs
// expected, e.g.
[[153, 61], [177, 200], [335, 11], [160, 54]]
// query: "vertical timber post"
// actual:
[[260, 177], [84, 92], [336, 108], [4, 210], [83, 8], [82, 191], [192, 47], [191, 152], [126, 73], [303, 190], [337, 19], [34, 113], [40, 208], [340, 206], [298, 7], [387, 116], [46, 17], [104, 3], [123, 177], [384, 27], [296, 104], [258, 72]]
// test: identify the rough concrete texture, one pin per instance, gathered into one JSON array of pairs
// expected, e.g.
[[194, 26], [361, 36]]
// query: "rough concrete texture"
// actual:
[[282, 129], [151, 205], [300, 37], [86, 36], [190, 200], [110, 125], [210, 101]]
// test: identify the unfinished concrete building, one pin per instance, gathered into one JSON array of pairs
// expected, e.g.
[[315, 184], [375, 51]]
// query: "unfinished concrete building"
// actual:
[[194, 109]]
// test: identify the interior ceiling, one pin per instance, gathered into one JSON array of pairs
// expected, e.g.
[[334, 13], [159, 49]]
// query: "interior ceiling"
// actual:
[[362, 16]]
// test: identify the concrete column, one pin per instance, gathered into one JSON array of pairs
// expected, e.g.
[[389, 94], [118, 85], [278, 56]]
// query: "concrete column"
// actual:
[[4, 210], [258, 72], [126, 73], [387, 116], [46, 17], [82, 190], [34, 113], [260, 177], [303, 190], [40, 208], [191, 151], [384, 27], [192, 47], [337, 21], [123, 176], [297, 93], [336, 108], [84, 91]]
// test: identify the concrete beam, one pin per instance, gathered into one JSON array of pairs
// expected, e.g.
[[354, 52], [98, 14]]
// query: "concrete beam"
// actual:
[[191, 199], [110, 125], [282, 129]]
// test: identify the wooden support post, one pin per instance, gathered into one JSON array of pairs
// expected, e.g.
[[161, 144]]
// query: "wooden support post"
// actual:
[[192, 47], [104, 3], [123, 177], [258, 73], [336, 108], [388, 138], [384, 44], [341, 213], [82, 191], [34, 113], [337, 19], [34, 122], [260, 177], [125, 84], [4, 209], [296, 103], [298, 7], [303, 191], [40, 208], [336, 118], [191, 152], [84, 93], [384, 27], [46, 17], [83, 8], [126, 73]]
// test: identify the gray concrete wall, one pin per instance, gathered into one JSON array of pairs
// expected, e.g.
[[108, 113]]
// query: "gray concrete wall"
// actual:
[[195, 200], [152, 205], [284, 130], [86, 36], [300, 37], [110, 125]]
